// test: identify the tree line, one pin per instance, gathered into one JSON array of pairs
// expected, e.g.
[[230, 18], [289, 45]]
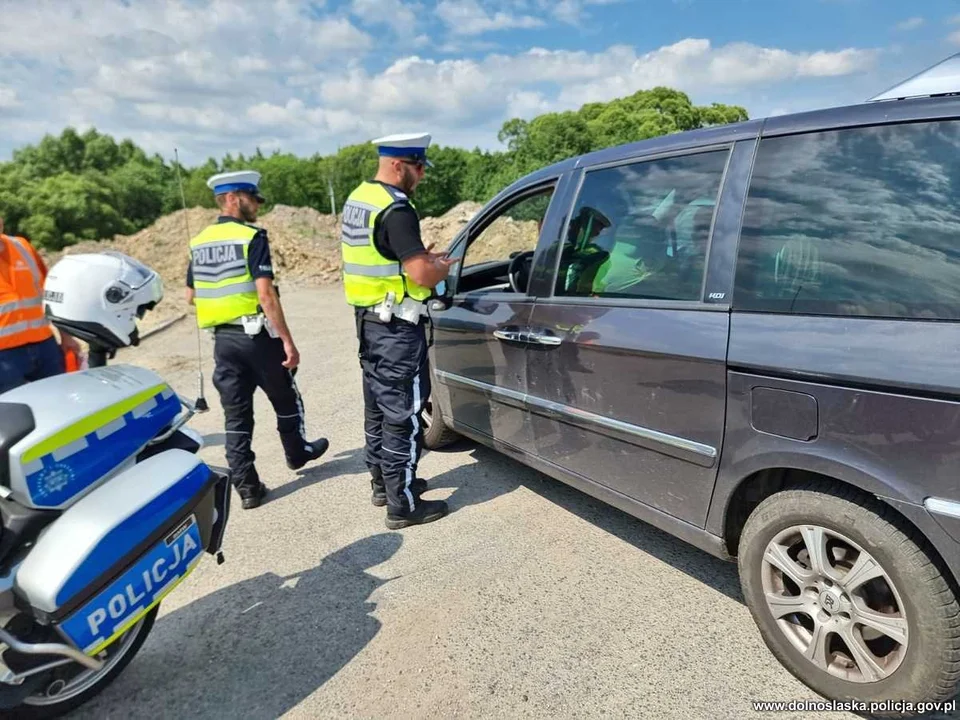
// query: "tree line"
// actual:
[[89, 186]]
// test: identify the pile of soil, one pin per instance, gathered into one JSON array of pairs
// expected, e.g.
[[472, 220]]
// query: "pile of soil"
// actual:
[[304, 243], [441, 230]]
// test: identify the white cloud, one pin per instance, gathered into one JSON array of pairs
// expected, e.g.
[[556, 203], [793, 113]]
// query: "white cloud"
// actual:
[[910, 23], [393, 13], [460, 90], [338, 34], [572, 11], [8, 98], [216, 76], [467, 17]]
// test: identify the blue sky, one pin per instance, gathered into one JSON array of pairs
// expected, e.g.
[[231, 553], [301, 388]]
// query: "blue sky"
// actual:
[[217, 76]]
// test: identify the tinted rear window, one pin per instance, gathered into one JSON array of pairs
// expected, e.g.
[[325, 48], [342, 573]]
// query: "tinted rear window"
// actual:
[[861, 222]]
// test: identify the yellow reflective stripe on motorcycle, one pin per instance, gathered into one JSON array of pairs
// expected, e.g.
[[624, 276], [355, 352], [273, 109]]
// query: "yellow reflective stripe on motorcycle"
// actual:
[[139, 616], [89, 424]]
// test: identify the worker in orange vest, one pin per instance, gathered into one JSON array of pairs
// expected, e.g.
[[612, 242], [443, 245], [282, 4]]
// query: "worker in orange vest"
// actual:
[[28, 347]]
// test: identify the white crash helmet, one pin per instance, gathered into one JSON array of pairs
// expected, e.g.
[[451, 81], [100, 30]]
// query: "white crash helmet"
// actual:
[[98, 297]]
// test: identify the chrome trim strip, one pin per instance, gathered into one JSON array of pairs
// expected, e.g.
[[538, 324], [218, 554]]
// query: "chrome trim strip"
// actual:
[[627, 428], [940, 506], [586, 417], [485, 387]]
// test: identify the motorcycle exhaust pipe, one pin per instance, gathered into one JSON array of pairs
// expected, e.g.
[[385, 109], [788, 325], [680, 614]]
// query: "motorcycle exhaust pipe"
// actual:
[[49, 649]]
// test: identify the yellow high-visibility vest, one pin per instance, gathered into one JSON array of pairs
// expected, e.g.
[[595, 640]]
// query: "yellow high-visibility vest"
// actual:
[[224, 289], [367, 275]]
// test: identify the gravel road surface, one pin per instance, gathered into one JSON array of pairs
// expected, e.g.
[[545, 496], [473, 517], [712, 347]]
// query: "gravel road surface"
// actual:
[[529, 600]]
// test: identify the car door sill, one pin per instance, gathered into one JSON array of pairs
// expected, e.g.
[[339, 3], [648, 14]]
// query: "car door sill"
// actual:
[[691, 534]]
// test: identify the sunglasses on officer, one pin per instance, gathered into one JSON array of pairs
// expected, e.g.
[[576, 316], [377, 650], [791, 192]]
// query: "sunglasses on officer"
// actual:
[[418, 164]]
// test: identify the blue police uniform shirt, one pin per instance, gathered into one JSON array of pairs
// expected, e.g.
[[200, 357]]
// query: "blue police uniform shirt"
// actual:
[[259, 261]]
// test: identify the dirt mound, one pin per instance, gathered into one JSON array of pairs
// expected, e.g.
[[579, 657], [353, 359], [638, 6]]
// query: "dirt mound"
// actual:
[[441, 230], [304, 244], [497, 241]]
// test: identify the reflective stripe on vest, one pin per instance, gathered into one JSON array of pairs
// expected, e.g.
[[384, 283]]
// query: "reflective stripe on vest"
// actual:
[[224, 289], [20, 305], [22, 319], [367, 275], [23, 326]]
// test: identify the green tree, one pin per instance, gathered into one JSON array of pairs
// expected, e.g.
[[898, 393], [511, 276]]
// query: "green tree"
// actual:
[[89, 185]]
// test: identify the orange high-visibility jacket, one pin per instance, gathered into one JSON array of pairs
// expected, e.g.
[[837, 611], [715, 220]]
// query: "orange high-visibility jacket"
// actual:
[[22, 274]]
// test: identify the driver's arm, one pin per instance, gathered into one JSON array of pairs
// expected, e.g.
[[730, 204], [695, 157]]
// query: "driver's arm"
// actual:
[[400, 239]]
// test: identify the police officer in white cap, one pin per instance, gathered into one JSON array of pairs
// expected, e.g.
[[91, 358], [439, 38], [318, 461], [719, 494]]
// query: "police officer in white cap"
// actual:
[[230, 281], [388, 275]]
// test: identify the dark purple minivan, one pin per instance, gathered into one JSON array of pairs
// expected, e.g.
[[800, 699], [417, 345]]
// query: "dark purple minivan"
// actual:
[[748, 336]]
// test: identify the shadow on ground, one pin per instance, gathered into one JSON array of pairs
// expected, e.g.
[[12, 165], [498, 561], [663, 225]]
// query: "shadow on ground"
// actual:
[[495, 474], [326, 468], [262, 645]]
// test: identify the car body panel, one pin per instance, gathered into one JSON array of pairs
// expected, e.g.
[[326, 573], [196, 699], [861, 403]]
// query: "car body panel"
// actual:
[[484, 378], [664, 409], [481, 370], [634, 398]]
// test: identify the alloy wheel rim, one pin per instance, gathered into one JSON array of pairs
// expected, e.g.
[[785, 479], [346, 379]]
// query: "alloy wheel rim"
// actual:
[[835, 604], [86, 678]]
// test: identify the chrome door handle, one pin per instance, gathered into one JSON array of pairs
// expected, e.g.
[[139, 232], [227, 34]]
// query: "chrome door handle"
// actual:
[[508, 335], [542, 339]]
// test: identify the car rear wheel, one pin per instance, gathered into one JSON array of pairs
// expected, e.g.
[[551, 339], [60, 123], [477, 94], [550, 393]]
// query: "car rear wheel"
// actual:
[[436, 434], [849, 599]]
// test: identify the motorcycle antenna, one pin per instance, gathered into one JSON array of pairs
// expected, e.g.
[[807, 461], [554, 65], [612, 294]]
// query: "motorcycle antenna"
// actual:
[[201, 404]]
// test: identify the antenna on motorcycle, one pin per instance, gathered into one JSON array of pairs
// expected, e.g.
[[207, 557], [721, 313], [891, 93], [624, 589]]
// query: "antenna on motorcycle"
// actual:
[[201, 404]]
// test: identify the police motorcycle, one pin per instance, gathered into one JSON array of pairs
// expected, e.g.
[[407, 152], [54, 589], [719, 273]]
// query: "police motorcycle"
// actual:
[[104, 506]]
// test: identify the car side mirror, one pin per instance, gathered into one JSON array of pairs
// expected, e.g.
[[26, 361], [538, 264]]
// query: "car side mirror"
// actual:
[[442, 300]]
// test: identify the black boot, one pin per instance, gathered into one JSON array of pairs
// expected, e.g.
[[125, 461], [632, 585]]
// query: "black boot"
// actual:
[[298, 453], [379, 491], [251, 498], [426, 511]]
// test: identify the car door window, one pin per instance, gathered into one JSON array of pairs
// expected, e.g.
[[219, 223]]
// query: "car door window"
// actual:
[[500, 237], [641, 230], [854, 222]]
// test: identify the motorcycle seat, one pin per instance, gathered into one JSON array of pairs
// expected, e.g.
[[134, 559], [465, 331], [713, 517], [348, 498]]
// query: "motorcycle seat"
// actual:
[[16, 422]]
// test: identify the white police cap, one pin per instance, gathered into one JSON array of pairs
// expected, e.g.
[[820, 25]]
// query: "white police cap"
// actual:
[[405, 145], [242, 180]]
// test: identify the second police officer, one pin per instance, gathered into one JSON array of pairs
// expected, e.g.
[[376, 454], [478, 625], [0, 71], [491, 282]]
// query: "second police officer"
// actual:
[[388, 275], [230, 281]]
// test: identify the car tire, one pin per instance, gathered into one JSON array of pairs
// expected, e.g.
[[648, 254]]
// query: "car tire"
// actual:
[[876, 564], [436, 433]]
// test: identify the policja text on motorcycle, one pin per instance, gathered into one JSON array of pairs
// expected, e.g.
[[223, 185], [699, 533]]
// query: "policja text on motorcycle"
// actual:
[[230, 280], [388, 275]]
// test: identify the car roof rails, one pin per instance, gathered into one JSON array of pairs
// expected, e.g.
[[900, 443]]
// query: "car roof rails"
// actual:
[[942, 78]]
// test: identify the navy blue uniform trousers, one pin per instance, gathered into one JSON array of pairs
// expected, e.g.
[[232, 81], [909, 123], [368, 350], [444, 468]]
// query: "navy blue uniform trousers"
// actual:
[[396, 383], [35, 361], [243, 364]]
